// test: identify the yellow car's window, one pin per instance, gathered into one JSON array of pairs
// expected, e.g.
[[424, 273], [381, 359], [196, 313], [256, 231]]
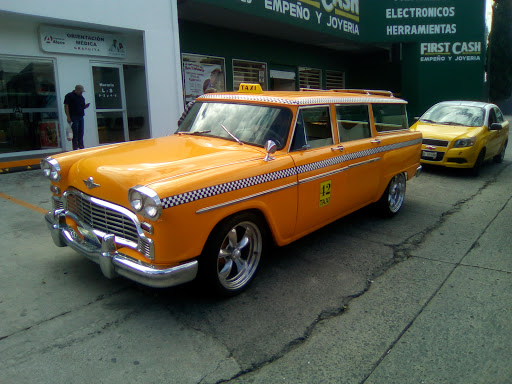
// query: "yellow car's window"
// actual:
[[313, 128], [390, 117], [250, 124], [353, 122]]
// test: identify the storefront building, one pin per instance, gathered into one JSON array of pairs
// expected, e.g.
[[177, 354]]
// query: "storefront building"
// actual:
[[423, 50], [125, 55], [139, 62]]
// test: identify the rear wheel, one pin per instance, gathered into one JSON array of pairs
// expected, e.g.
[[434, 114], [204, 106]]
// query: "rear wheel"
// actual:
[[232, 254], [499, 157], [393, 197]]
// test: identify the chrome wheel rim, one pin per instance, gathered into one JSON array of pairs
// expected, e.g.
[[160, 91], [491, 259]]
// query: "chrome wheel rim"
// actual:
[[396, 194], [239, 255]]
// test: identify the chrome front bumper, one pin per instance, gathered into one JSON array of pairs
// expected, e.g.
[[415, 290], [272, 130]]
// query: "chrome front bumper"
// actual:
[[102, 250]]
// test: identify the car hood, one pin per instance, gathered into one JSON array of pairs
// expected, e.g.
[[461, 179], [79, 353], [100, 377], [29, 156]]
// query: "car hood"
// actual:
[[445, 132], [120, 167]]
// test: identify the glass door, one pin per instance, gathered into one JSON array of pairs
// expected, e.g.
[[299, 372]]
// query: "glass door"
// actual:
[[110, 103]]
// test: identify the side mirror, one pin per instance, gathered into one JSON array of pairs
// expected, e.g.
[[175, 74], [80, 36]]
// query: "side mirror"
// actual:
[[271, 148], [495, 127]]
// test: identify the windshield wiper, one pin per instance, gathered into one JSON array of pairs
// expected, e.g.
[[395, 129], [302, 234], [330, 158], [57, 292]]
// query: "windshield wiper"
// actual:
[[230, 134], [428, 121], [194, 133], [450, 123]]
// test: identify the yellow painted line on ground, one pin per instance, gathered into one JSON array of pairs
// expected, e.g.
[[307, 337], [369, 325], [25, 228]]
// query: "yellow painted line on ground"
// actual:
[[23, 203]]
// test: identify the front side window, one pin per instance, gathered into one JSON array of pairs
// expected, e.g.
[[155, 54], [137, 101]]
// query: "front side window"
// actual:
[[313, 128], [353, 122], [389, 117], [250, 124], [499, 115]]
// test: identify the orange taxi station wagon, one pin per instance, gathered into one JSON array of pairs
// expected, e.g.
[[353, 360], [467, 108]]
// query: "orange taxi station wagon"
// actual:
[[244, 170]]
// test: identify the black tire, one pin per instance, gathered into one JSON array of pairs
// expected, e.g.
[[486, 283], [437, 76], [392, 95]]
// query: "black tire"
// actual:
[[500, 156], [232, 254], [475, 171], [393, 197]]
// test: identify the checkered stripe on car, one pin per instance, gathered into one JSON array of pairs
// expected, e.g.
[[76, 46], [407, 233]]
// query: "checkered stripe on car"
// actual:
[[218, 189], [231, 186], [353, 156]]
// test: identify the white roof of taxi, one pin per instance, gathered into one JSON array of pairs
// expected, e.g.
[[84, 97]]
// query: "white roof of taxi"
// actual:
[[302, 100]]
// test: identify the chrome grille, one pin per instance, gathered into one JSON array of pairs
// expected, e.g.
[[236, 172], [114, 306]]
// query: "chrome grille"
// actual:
[[101, 217]]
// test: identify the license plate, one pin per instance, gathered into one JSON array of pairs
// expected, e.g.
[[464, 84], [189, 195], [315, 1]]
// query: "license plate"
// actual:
[[431, 155]]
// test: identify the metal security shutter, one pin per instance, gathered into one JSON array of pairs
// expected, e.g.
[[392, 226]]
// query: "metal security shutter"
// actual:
[[249, 72], [334, 80], [310, 78]]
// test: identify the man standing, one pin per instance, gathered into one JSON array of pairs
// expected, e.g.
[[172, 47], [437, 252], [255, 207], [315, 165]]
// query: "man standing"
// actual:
[[74, 105]]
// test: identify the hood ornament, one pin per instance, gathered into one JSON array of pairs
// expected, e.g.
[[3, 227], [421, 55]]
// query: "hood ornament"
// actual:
[[89, 183]]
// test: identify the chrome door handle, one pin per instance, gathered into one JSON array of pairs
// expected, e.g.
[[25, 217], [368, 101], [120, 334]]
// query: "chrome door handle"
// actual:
[[338, 148], [375, 141]]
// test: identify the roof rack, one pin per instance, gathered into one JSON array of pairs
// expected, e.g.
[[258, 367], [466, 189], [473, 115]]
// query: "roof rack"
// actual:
[[359, 91]]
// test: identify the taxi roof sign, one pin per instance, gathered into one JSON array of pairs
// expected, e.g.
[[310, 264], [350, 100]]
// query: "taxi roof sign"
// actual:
[[249, 88]]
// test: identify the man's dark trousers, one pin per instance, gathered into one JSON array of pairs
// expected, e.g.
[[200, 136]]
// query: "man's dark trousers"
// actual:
[[77, 125]]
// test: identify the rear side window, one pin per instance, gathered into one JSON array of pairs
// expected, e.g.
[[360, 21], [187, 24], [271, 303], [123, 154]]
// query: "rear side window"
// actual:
[[353, 122], [390, 117], [313, 128]]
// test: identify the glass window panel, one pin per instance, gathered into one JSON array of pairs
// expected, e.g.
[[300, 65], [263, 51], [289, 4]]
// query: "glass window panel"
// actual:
[[249, 72], [107, 88], [310, 78], [334, 80], [389, 117], [110, 127], [315, 124], [28, 105], [353, 122]]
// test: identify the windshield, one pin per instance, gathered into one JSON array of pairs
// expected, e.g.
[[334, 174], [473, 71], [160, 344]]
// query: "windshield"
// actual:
[[469, 116], [250, 124]]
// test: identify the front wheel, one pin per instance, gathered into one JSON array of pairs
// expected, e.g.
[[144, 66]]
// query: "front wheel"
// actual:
[[232, 254], [393, 197]]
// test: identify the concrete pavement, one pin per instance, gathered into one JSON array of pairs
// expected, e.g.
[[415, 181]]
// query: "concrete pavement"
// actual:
[[444, 315]]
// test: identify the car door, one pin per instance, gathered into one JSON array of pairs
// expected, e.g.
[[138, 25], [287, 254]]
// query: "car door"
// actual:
[[318, 168], [361, 178], [496, 138]]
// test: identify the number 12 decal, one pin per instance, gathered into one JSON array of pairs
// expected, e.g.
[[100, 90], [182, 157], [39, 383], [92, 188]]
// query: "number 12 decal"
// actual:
[[325, 193]]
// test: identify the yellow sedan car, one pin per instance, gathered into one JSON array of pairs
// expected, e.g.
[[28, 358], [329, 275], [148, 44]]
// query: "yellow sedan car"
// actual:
[[462, 134]]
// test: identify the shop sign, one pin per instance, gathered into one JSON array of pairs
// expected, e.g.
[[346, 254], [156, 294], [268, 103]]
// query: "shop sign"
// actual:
[[80, 42], [464, 51], [372, 21]]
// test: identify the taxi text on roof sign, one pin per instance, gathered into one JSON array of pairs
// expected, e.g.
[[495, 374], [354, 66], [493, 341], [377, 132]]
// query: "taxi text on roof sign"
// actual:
[[250, 88]]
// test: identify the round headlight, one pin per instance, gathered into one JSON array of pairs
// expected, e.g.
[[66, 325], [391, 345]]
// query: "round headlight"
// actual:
[[145, 201], [136, 200], [151, 209], [46, 168], [50, 168]]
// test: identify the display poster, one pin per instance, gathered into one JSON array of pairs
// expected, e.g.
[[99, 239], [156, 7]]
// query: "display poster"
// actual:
[[202, 75], [81, 42], [49, 134]]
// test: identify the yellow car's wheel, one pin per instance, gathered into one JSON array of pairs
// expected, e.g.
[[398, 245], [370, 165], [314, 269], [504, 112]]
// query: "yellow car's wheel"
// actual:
[[232, 254], [393, 197]]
